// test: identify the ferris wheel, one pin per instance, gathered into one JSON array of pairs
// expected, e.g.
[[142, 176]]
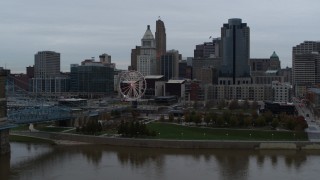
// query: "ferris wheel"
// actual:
[[132, 85]]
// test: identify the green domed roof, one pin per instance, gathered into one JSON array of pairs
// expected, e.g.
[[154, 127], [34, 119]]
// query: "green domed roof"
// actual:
[[274, 55]]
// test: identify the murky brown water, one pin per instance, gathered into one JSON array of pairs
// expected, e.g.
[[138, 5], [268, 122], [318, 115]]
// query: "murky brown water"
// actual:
[[38, 162]]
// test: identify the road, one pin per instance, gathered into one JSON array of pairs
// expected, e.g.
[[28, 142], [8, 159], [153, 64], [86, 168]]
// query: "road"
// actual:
[[313, 129]]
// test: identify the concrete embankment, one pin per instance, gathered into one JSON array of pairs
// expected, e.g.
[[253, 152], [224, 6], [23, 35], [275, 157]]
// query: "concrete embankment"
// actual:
[[187, 144]]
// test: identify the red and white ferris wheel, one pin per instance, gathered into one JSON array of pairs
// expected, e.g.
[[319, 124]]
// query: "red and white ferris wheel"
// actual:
[[132, 85]]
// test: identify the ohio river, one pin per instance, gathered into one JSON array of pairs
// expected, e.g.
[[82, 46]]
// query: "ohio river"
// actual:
[[38, 162]]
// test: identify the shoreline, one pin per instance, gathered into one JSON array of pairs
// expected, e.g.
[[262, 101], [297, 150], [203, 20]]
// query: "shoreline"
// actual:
[[75, 139]]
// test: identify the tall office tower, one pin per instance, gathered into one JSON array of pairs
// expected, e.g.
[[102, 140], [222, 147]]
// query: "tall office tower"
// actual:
[[169, 65], [47, 77], [146, 61], [306, 47], [182, 69], [305, 66], [46, 64], [161, 42], [161, 39], [134, 54], [235, 38]]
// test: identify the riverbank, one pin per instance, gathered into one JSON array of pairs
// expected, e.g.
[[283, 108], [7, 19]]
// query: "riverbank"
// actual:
[[162, 143], [29, 138]]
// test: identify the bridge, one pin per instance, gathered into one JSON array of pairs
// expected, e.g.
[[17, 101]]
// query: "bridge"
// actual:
[[18, 106], [24, 107]]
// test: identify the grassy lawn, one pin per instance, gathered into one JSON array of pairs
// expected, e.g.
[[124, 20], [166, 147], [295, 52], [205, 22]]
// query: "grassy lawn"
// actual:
[[14, 138], [172, 131]]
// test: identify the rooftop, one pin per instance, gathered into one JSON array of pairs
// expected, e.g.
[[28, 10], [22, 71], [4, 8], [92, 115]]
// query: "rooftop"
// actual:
[[176, 81], [153, 77]]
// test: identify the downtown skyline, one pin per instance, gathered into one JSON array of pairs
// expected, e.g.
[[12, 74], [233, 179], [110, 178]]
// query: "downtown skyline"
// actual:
[[80, 30]]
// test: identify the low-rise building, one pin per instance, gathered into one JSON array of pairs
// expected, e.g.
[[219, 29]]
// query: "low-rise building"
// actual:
[[175, 88], [155, 86], [92, 79], [313, 96]]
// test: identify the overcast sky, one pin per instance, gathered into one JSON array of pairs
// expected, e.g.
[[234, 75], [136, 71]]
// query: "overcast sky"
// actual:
[[81, 29]]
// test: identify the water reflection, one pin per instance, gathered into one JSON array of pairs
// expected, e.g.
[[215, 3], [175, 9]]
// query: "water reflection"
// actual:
[[5, 166], [291, 158], [84, 162], [233, 165]]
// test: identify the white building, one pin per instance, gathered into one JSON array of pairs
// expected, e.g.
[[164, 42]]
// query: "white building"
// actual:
[[281, 92], [146, 61]]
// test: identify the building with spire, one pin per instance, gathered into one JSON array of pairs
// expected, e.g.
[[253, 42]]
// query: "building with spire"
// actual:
[[146, 61]]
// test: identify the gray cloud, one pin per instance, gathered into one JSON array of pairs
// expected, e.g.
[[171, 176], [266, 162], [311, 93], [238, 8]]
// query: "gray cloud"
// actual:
[[80, 29]]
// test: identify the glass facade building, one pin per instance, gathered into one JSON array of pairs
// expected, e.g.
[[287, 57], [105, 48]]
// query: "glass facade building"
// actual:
[[92, 79], [169, 65], [236, 50]]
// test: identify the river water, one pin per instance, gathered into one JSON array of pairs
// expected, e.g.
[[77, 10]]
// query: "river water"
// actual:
[[46, 162]]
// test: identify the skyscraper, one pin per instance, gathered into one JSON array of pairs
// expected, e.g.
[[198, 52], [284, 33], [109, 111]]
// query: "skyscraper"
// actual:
[[161, 39], [134, 54], [161, 42], [305, 66], [146, 61], [47, 77], [169, 65], [235, 38]]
